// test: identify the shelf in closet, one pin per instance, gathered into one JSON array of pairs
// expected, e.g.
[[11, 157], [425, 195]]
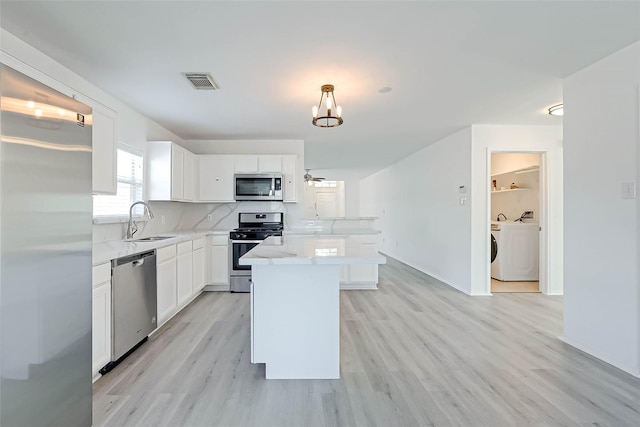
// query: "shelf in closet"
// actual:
[[510, 189], [519, 171]]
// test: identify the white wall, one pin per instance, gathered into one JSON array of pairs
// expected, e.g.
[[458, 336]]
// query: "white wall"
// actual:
[[601, 139], [418, 204], [487, 138]]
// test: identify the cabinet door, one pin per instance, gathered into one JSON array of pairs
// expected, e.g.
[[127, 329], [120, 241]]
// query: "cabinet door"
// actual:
[[198, 270], [289, 175], [220, 264], [101, 327], [245, 163], [167, 302], [216, 178], [104, 136], [189, 192], [185, 272], [177, 172], [269, 163]]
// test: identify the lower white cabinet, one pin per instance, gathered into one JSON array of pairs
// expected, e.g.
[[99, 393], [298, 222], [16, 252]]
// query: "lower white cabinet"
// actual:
[[360, 276], [198, 265], [185, 272], [219, 260], [101, 322], [167, 285]]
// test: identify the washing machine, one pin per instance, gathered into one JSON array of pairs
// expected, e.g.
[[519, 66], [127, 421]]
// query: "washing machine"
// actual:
[[514, 247]]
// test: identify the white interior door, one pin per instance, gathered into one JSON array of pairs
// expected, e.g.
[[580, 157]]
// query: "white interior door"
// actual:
[[326, 205]]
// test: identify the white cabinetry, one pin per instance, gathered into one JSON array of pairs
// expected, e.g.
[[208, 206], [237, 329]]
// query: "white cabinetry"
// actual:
[[177, 173], [171, 171], [216, 178], [269, 163], [360, 276], [219, 261], [257, 163], [185, 272], [289, 177], [167, 286], [101, 324], [104, 135], [198, 264], [190, 182]]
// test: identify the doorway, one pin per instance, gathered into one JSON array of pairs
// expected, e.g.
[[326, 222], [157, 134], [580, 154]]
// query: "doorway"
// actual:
[[515, 207], [324, 199]]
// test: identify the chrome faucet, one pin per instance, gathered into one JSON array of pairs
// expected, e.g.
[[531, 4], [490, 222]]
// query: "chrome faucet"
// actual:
[[132, 228]]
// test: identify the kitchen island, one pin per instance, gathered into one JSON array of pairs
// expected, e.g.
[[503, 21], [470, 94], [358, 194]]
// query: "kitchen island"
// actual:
[[295, 303]]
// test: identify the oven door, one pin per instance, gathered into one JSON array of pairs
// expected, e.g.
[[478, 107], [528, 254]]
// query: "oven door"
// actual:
[[238, 249]]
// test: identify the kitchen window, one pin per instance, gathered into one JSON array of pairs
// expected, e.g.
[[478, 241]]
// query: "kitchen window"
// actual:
[[129, 178]]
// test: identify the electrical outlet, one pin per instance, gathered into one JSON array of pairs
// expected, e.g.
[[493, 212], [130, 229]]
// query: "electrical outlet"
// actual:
[[162, 219], [210, 217], [628, 190]]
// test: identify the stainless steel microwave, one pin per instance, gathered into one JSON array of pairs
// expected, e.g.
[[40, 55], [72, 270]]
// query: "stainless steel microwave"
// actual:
[[258, 186]]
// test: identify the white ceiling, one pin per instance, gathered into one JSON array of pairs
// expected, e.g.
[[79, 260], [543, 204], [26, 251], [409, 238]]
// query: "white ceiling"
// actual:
[[450, 64]]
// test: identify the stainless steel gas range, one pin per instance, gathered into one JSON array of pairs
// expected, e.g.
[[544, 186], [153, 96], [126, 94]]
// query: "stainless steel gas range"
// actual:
[[252, 229]]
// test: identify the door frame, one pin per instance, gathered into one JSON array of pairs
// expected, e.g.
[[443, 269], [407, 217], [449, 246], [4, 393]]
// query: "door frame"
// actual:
[[543, 215]]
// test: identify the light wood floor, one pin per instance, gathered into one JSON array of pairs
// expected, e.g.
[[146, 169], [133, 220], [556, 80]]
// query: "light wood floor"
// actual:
[[416, 352], [500, 286]]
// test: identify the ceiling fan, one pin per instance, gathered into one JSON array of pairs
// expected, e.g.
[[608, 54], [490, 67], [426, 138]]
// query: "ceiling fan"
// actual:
[[310, 179]]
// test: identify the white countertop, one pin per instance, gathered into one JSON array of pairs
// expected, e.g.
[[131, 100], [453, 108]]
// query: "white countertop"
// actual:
[[319, 231], [311, 250], [106, 251]]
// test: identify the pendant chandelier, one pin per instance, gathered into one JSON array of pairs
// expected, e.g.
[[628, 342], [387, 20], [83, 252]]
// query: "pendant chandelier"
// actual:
[[328, 118]]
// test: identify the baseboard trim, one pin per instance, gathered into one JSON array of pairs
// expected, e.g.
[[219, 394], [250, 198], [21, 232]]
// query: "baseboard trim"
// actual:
[[600, 356], [217, 287], [358, 286]]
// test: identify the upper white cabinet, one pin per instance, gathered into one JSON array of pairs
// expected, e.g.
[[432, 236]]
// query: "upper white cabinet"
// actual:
[[289, 177], [171, 171], [269, 163], [104, 137], [216, 178], [257, 163], [190, 183]]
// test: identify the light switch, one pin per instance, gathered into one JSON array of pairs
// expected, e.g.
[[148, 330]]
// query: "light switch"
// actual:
[[628, 190]]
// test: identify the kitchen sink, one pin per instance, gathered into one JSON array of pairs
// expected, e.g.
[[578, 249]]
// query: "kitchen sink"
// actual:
[[152, 238]]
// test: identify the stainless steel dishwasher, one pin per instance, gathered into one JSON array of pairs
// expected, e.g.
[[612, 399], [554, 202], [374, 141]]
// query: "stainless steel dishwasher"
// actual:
[[133, 304]]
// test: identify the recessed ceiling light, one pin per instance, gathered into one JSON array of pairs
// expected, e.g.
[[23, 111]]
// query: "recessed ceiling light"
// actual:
[[385, 89], [557, 110]]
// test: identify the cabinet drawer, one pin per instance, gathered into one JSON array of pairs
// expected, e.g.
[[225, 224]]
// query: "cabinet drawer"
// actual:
[[166, 253], [101, 273], [219, 240], [184, 248], [198, 243]]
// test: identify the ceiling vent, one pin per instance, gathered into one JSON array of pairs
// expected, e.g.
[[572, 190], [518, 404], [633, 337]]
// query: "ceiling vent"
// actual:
[[202, 81]]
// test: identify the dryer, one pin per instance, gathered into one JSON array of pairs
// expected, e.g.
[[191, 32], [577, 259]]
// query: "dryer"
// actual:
[[517, 253]]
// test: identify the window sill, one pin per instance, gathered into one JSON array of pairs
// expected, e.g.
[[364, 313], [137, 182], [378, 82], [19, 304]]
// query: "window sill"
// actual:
[[117, 219]]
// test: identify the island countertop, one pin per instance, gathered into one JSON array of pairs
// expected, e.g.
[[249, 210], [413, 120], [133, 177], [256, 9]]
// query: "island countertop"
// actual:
[[312, 250]]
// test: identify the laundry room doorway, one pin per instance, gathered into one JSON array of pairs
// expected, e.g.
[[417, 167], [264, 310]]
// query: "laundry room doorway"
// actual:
[[517, 207]]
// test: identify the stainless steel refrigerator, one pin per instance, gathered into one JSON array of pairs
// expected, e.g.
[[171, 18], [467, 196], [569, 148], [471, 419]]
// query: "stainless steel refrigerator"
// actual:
[[45, 255]]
